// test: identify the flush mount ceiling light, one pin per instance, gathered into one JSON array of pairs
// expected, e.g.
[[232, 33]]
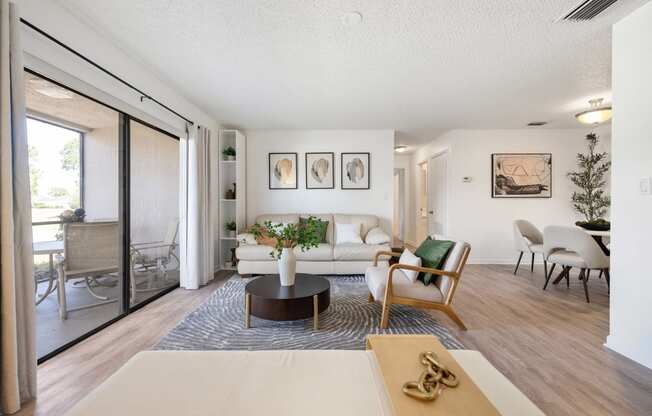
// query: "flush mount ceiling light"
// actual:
[[596, 114], [351, 18], [400, 149]]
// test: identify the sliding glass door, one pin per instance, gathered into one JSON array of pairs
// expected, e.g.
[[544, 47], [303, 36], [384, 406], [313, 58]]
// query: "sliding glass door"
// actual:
[[73, 166], [154, 211], [105, 209]]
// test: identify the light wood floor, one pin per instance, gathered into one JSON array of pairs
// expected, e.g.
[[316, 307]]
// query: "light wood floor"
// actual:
[[549, 344]]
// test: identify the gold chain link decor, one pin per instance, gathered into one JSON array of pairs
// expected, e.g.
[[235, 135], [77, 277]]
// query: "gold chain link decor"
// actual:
[[432, 379]]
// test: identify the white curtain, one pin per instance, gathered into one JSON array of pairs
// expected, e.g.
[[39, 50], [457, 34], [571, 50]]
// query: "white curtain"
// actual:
[[17, 309], [196, 226]]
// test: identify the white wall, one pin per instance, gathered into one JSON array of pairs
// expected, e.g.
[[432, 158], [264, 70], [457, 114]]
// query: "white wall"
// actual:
[[486, 222], [631, 281], [377, 200]]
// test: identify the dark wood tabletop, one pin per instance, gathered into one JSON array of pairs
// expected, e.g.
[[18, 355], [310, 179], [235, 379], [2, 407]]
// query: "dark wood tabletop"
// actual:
[[270, 300]]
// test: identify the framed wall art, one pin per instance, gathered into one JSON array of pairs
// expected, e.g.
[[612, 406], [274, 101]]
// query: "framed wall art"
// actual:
[[521, 175], [320, 170], [356, 170], [283, 172]]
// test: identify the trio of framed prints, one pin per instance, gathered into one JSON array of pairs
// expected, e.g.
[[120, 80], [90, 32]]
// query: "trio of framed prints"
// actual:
[[355, 170]]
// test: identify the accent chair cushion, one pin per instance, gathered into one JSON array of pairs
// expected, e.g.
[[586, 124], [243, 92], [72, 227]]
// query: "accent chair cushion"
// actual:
[[433, 255], [376, 278], [410, 259]]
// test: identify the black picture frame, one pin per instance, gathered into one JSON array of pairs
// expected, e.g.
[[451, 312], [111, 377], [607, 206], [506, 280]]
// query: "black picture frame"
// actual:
[[332, 168], [343, 183], [548, 184], [296, 170]]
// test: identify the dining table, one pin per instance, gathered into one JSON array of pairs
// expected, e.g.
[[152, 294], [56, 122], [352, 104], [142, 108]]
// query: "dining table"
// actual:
[[48, 248], [599, 236]]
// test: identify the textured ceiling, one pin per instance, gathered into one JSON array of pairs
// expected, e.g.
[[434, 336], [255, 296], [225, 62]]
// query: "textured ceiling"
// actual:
[[417, 66]]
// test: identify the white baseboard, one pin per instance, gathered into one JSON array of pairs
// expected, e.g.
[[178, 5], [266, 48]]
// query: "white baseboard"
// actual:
[[503, 261], [634, 350]]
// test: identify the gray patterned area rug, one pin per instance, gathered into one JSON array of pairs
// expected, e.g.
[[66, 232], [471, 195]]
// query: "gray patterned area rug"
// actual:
[[218, 324]]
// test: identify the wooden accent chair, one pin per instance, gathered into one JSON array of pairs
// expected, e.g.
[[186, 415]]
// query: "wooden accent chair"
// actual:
[[395, 288]]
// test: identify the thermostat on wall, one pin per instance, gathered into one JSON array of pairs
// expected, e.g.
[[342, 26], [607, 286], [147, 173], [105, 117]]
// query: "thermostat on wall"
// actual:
[[467, 179]]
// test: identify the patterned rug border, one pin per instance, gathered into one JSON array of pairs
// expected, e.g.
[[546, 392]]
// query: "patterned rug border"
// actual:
[[218, 323]]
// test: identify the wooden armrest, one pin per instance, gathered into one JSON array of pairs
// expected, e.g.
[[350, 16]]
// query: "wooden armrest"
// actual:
[[384, 253], [421, 269]]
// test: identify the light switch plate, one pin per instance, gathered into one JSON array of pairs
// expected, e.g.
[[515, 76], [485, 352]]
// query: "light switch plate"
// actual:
[[645, 186]]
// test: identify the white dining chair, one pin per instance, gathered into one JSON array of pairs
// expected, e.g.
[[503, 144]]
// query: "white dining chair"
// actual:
[[571, 247], [528, 239]]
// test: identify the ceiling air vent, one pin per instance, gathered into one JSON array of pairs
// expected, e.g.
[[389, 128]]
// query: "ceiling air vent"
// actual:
[[588, 9]]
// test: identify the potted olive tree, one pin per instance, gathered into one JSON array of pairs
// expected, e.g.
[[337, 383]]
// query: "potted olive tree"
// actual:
[[591, 200], [284, 238]]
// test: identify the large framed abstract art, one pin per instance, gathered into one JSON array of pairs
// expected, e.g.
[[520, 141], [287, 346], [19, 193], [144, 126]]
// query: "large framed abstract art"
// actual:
[[283, 172], [320, 170], [521, 175], [356, 171]]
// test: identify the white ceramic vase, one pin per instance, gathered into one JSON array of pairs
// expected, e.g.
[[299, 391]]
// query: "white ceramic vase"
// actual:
[[287, 267]]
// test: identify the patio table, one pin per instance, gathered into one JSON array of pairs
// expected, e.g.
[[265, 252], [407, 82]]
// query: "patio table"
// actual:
[[49, 248]]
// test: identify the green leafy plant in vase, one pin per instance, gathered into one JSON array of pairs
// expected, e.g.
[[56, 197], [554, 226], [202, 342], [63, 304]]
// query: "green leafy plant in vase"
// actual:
[[284, 238], [229, 153], [591, 200]]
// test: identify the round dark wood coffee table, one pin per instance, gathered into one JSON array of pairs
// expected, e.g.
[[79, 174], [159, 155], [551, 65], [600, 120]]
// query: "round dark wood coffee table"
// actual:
[[267, 299]]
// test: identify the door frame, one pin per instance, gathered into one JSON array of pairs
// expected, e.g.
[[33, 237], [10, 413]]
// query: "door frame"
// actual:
[[402, 182]]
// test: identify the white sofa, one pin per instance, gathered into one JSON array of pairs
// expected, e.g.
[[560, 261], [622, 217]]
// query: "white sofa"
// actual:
[[327, 258]]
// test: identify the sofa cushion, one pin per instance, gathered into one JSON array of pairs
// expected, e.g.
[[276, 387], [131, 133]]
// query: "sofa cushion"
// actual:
[[367, 222], [352, 251], [321, 224], [376, 278], [331, 225], [278, 218], [254, 252], [347, 233], [323, 252]]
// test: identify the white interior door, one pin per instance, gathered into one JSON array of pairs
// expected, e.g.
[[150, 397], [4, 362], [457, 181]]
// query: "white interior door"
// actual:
[[437, 187]]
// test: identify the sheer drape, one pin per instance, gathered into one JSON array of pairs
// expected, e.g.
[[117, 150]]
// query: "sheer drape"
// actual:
[[196, 228], [17, 310]]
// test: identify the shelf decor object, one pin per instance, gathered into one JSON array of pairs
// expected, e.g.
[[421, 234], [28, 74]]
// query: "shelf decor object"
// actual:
[[232, 191]]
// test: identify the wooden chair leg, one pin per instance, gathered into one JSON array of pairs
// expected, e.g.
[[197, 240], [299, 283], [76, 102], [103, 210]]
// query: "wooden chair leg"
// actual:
[[532, 264], [451, 314], [384, 320], [552, 269], [370, 299], [518, 263]]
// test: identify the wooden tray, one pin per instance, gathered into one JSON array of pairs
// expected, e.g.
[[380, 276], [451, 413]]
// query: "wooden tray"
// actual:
[[398, 359]]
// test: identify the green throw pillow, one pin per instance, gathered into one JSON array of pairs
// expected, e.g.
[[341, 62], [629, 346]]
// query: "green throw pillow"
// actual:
[[433, 255], [323, 228]]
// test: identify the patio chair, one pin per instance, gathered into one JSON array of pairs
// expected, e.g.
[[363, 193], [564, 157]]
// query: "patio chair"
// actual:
[[154, 259], [395, 288], [90, 250]]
